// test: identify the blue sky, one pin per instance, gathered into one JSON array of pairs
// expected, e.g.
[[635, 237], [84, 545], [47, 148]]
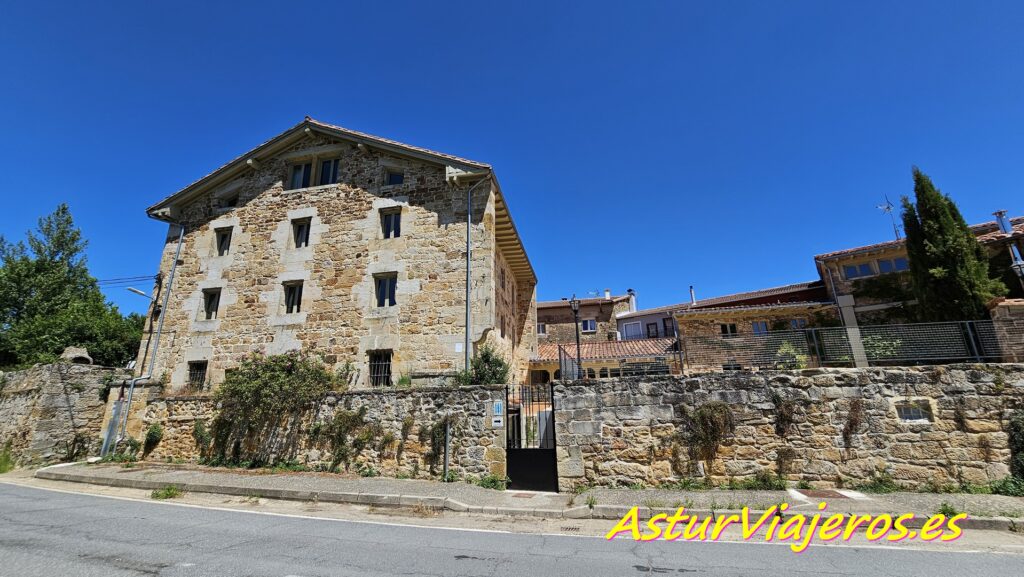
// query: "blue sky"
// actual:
[[651, 145]]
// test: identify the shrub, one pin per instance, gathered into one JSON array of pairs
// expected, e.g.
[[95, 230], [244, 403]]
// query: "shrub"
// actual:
[[947, 510], [6, 458], [168, 492], [785, 413], [880, 483], [493, 482], [1015, 432], [763, 481], [704, 430], [343, 434], [154, 434], [435, 435], [487, 367], [854, 419], [262, 403], [201, 436], [1009, 486]]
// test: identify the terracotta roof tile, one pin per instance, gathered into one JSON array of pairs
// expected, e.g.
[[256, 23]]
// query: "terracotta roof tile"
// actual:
[[716, 302], [583, 302], [609, 349]]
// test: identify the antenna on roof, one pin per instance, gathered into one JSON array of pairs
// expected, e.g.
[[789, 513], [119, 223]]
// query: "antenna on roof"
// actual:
[[887, 208]]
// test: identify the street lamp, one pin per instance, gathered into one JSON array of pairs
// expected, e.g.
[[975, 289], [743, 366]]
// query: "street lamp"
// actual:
[[138, 292], [575, 305]]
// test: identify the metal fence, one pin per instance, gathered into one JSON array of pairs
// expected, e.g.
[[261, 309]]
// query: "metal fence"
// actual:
[[876, 345], [668, 362]]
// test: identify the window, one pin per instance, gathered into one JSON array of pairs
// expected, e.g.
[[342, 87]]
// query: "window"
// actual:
[[588, 325], [328, 172], [760, 327], [380, 368], [631, 331], [394, 177], [231, 201], [732, 365], [652, 330], [892, 265], [798, 324], [858, 270], [669, 326], [196, 374], [591, 374], [301, 174], [385, 289], [615, 373], [211, 302], [603, 373], [223, 241], [728, 330], [501, 278], [293, 297], [300, 232], [391, 222], [542, 329], [914, 411]]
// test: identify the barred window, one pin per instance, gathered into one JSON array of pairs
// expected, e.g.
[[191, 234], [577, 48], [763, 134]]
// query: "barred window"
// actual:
[[914, 411], [380, 368], [223, 241], [197, 374]]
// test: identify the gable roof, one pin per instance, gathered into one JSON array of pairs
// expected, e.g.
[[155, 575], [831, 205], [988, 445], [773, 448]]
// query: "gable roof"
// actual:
[[986, 232], [506, 234], [583, 302]]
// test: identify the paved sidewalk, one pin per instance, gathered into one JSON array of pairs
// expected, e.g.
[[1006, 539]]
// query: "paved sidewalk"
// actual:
[[986, 511]]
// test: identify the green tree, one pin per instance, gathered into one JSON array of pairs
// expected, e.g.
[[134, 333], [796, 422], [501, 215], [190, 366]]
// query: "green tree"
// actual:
[[48, 300], [948, 267], [487, 367]]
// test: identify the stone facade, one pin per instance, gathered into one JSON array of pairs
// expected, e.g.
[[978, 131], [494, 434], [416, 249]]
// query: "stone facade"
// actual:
[[477, 448], [1008, 319], [51, 413], [346, 255], [621, 431], [560, 325]]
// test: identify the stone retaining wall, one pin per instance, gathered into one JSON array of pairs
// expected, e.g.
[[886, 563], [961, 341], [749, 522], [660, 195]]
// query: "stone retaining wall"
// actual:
[[54, 412], [477, 449], [623, 431]]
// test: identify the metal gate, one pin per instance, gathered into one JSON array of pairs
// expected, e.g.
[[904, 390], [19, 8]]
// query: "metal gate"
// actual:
[[530, 437]]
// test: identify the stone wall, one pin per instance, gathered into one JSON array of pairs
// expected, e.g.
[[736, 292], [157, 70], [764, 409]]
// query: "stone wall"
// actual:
[[1008, 319], [51, 413], [561, 326], [477, 448], [623, 431]]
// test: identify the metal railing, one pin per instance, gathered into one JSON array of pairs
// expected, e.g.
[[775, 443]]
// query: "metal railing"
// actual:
[[875, 345], [667, 362]]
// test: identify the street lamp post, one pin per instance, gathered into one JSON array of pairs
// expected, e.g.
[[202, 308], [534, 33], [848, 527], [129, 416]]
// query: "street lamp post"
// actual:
[[575, 304]]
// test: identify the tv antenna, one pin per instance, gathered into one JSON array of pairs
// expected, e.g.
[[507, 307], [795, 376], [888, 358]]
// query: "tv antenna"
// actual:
[[887, 208]]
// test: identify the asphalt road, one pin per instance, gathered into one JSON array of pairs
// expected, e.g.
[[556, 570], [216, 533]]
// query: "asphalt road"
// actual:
[[46, 533]]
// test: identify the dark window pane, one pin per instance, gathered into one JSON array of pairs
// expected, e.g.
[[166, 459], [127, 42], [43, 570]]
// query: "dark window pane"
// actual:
[[901, 264], [395, 177], [329, 172], [300, 228], [850, 271], [392, 285], [885, 266], [865, 270], [652, 330]]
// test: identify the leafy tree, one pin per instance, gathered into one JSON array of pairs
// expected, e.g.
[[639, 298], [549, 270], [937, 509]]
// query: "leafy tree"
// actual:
[[948, 266], [49, 301], [487, 367]]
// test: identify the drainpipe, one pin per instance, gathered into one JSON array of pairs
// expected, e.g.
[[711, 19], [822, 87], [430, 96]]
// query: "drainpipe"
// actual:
[[159, 330], [484, 176]]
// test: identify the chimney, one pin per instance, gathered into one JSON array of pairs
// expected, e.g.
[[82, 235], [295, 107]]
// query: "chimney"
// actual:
[[608, 294], [693, 296], [632, 300]]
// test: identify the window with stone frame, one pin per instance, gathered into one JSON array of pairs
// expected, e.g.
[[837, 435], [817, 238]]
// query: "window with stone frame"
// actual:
[[223, 240], [385, 286], [300, 232], [328, 171], [542, 329], [728, 330], [391, 222], [292, 297], [197, 374], [211, 303], [301, 175], [393, 177], [380, 368]]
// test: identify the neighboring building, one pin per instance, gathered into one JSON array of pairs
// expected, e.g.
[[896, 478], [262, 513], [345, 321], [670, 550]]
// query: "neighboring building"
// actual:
[[607, 359], [346, 244], [556, 323], [648, 323], [869, 285]]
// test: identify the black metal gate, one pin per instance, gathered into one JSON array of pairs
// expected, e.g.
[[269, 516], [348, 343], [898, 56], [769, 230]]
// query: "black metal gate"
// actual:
[[530, 437]]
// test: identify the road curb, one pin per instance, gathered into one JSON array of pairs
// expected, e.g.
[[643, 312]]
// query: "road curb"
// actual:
[[606, 512]]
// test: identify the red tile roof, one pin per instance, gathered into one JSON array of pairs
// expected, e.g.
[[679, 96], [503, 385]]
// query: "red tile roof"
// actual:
[[760, 295], [762, 306], [987, 232], [609, 349]]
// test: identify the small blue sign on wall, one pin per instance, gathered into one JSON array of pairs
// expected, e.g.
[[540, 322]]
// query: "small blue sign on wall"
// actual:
[[497, 408]]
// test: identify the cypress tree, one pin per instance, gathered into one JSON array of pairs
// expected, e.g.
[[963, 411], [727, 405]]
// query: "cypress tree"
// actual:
[[948, 267]]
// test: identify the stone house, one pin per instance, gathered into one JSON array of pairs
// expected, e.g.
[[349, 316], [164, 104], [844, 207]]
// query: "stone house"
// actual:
[[598, 318], [349, 245], [869, 283]]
